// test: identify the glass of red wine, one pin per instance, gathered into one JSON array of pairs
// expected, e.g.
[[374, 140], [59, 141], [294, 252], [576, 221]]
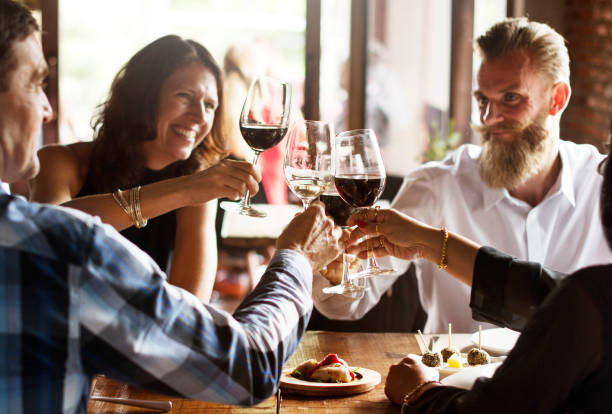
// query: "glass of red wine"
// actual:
[[340, 211], [360, 179], [263, 123]]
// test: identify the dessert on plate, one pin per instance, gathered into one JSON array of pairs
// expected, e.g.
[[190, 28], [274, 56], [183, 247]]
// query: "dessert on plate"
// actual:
[[329, 369]]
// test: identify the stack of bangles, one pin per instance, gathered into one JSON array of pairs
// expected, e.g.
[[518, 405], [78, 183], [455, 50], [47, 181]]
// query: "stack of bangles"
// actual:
[[131, 208]]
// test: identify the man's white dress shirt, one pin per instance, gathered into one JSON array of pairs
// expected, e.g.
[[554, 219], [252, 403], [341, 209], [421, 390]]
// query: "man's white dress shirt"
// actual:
[[563, 232]]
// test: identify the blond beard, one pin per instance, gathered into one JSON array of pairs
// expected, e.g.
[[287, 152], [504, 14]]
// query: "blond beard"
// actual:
[[510, 164]]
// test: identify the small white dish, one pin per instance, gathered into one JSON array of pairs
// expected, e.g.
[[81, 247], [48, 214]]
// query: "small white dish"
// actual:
[[464, 378], [445, 371]]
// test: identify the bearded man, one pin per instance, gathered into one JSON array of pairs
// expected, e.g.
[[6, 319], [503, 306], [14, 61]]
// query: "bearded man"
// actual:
[[524, 191]]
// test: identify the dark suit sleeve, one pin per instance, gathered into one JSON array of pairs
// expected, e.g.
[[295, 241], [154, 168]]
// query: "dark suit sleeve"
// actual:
[[555, 365], [505, 291]]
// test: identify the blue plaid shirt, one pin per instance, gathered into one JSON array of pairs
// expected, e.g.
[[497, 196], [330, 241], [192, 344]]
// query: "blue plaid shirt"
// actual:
[[77, 299]]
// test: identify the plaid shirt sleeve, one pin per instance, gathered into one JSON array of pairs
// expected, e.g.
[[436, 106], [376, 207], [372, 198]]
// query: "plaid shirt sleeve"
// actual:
[[141, 330], [77, 299]]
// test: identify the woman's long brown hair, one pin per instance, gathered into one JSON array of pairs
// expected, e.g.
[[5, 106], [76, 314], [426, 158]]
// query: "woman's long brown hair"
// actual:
[[128, 117]]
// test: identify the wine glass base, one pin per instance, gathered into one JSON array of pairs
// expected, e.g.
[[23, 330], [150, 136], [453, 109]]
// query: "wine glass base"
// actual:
[[373, 272], [238, 208], [350, 290]]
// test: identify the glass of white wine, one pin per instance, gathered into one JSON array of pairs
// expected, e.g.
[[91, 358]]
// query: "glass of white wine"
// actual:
[[308, 159]]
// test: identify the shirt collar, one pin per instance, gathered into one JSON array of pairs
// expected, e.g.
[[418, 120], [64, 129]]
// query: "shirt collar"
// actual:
[[567, 176], [492, 196]]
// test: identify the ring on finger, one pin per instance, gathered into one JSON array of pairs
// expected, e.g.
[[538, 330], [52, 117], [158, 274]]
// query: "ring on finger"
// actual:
[[376, 212], [377, 233], [380, 242]]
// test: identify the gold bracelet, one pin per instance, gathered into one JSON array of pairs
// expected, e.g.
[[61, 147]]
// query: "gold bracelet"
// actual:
[[443, 262], [408, 397], [131, 208], [135, 208], [139, 221], [118, 197]]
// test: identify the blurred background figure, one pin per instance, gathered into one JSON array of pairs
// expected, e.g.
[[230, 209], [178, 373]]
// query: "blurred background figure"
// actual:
[[379, 93], [243, 63]]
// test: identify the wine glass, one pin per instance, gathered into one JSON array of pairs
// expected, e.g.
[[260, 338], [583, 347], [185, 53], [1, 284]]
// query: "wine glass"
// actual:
[[263, 123], [340, 211], [308, 159], [360, 179]]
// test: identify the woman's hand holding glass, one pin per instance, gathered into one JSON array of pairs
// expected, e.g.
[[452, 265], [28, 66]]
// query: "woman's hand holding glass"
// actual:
[[392, 233], [263, 123], [226, 179]]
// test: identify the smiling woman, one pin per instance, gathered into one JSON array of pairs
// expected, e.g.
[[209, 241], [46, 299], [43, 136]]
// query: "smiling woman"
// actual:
[[155, 135], [187, 103]]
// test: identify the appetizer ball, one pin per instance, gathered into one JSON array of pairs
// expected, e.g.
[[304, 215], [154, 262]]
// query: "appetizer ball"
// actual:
[[448, 351], [478, 357], [432, 359]]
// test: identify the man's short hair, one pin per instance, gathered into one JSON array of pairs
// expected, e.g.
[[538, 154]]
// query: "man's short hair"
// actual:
[[16, 23], [543, 44]]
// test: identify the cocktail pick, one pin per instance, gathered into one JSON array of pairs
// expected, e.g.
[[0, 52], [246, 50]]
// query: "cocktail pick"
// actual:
[[423, 340]]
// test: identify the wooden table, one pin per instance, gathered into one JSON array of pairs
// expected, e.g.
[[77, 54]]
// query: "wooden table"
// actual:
[[375, 351]]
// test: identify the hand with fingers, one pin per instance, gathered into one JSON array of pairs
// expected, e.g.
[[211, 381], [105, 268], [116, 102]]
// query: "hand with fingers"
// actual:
[[408, 378], [227, 179], [333, 270], [314, 235], [394, 234]]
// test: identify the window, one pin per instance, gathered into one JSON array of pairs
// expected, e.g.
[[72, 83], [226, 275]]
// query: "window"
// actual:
[[97, 38], [408, 76]]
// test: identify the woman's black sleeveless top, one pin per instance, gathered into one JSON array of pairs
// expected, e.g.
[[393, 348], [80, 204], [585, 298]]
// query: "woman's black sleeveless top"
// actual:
[[157, 237]]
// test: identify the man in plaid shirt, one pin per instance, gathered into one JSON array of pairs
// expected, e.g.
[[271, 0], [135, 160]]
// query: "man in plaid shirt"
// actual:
[[76, 299]]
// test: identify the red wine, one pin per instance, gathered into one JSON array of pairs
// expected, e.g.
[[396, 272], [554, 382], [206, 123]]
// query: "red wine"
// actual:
[[336, 208], [360, 190], [262, 137]]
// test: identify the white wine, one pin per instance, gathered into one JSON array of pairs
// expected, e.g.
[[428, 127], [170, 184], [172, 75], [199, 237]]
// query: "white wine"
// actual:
[[308, 185], [307, 189]]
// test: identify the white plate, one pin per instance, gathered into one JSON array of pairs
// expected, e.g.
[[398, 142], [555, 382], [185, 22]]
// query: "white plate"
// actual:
[[365, 380], [465, 378], [497, 340], [445, 371]]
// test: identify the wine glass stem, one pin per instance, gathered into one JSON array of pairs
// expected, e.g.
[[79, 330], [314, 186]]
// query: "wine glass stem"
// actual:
[[345, 271], [372, 263], [345, 267], [246, 200]]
